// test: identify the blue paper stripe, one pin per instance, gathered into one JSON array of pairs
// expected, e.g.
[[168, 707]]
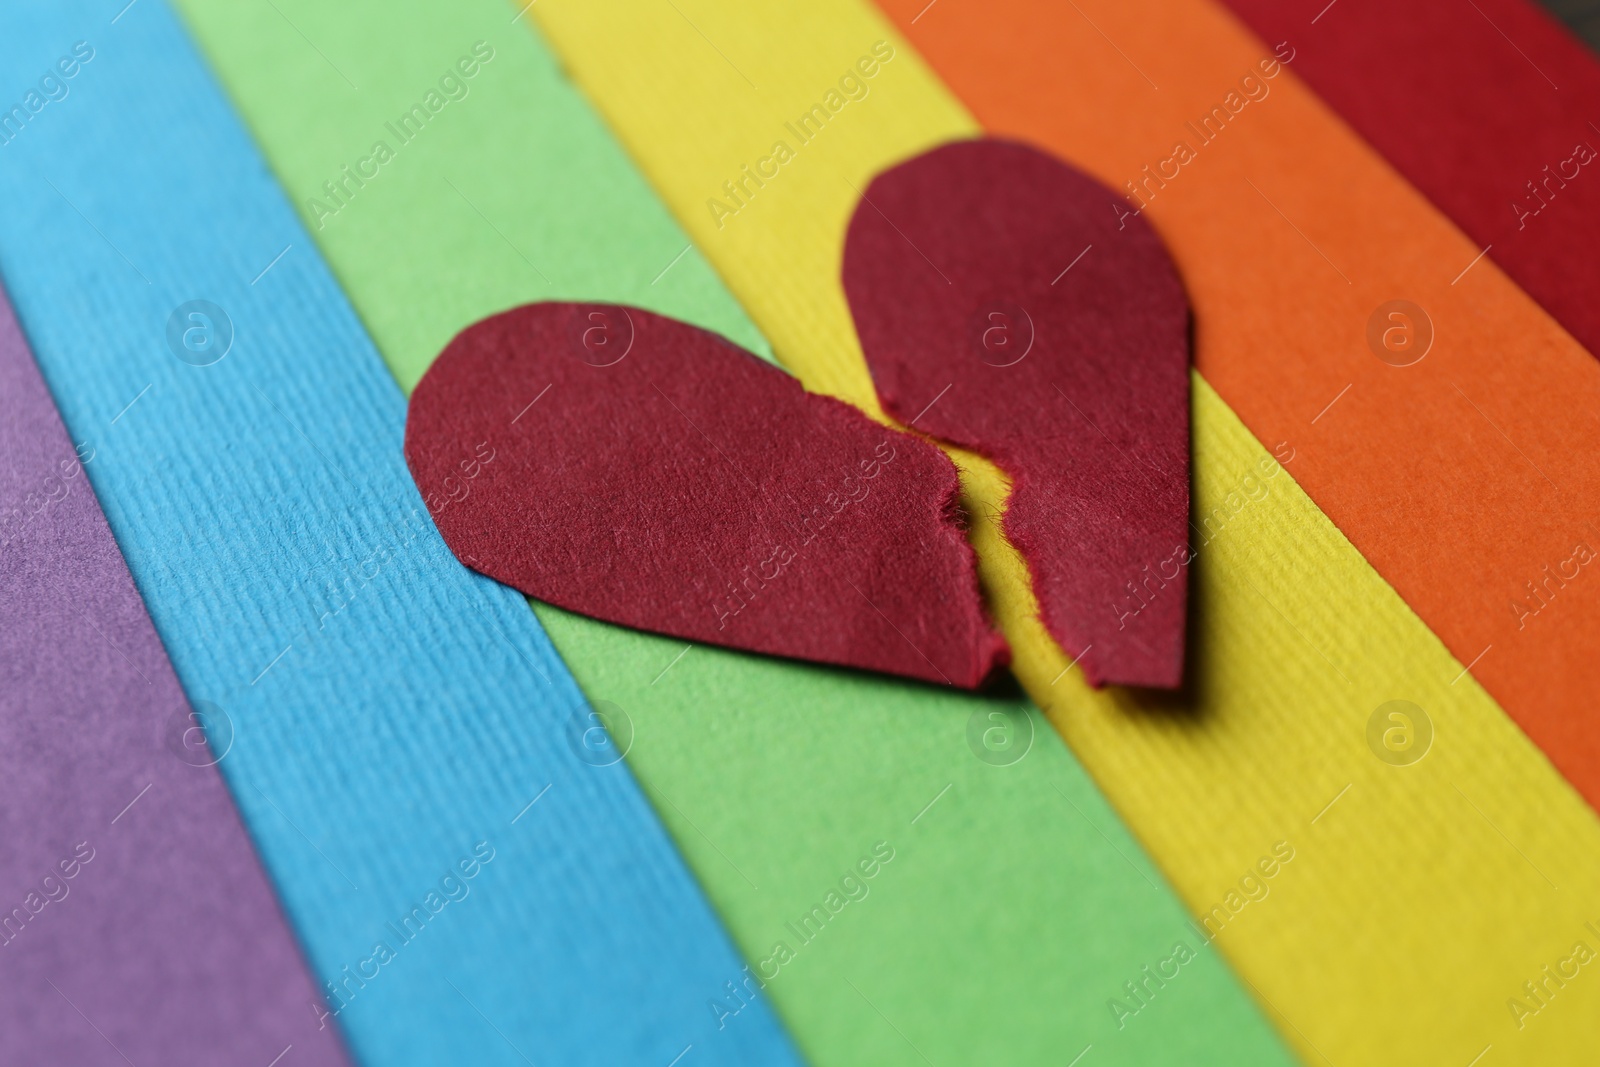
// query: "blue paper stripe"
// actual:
[[391, 709]]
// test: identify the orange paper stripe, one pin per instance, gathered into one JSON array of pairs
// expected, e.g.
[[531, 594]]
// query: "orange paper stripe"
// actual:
[[1464, 478]]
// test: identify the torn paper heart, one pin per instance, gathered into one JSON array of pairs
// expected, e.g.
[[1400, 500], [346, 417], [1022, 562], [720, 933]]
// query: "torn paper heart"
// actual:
[[1011, 305], [641, 471]]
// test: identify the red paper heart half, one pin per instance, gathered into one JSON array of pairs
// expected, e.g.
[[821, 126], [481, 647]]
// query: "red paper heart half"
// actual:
[[641, 471], [1011, 305]]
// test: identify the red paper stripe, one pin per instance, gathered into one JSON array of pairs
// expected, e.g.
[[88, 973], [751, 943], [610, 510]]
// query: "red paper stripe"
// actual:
[[1486, 106]]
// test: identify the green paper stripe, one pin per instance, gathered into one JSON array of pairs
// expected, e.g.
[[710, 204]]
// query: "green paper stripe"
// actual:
[[1015, 904]]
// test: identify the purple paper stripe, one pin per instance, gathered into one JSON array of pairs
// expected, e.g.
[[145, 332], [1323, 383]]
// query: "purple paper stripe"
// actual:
[[136, 924]]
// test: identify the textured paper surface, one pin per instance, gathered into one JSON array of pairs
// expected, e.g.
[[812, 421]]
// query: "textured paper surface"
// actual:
[[1438, 416], [1071, 375], [1489, 112], [1303, 641], [776, 778], [675, 483], [416, 766], [112, 800]]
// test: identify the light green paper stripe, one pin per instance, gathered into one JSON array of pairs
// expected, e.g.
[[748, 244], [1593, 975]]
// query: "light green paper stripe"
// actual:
[[1016, 905]]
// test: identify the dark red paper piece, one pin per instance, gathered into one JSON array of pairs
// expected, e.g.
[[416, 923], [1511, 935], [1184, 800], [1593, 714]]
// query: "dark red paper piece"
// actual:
[[639, 470], [1463, 100], [1005, 304]]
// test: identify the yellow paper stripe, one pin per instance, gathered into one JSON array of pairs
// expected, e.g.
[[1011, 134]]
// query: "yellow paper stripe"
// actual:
[[1420, 898]]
